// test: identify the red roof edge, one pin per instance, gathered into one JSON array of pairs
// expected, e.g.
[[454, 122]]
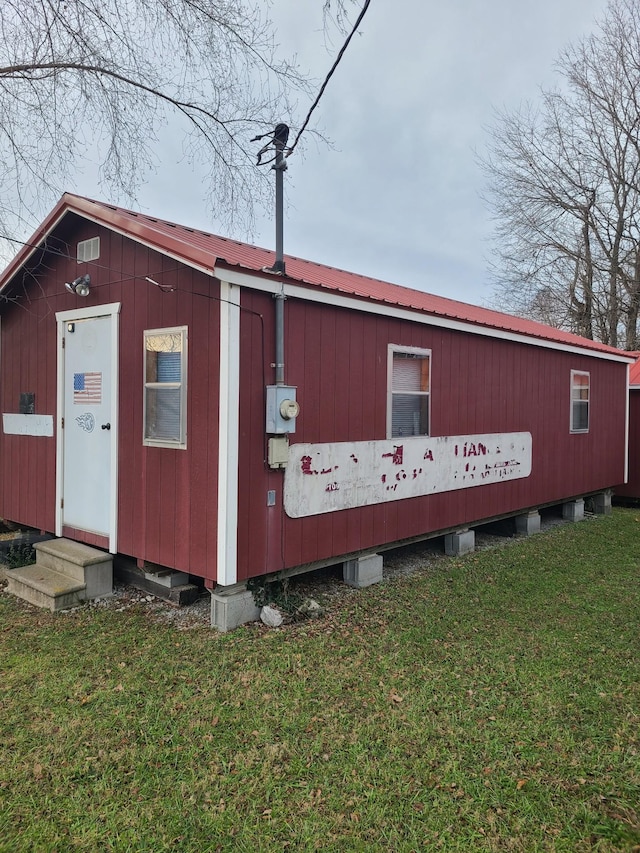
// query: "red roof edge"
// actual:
[[205, 251]]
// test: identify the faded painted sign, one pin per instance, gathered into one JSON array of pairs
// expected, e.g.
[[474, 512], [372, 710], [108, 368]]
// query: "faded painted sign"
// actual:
[[39, 425], [329, 477]]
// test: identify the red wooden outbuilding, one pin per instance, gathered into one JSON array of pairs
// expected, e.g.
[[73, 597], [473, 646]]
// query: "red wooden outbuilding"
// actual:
[[166, 396]]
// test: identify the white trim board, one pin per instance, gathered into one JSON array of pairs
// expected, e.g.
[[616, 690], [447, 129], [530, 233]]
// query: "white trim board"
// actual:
[[626, 430], [329, 297], [88, 313], [228, 434]]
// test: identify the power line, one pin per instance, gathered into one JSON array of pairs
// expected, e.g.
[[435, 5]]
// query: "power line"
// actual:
[[45, 248], [164, 288], [329, 76]]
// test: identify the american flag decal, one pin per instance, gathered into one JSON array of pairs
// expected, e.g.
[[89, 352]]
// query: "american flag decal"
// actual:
[[87, 388]]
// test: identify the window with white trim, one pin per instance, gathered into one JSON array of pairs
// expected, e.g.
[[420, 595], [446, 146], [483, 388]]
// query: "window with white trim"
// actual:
[[88, 250], [409, 380], [165, 387], [580, 393]]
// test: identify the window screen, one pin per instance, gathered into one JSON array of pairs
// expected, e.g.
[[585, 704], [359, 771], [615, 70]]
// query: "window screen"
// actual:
[[580, 391], [409, 393], [165, 387]]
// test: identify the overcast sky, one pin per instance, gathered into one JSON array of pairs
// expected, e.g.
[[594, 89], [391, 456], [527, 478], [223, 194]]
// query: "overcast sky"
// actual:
[[398, 197]]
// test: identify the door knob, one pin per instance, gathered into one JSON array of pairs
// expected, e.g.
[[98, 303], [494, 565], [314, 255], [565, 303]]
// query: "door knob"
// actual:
[[105, 426]]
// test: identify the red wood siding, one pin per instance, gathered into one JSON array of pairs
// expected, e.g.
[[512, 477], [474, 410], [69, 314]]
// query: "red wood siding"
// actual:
[[338, 361], [631, 489], [27, 463], [167, 499]]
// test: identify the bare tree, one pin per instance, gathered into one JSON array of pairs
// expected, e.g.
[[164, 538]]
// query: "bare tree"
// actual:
[[95, 84], [564, 186]]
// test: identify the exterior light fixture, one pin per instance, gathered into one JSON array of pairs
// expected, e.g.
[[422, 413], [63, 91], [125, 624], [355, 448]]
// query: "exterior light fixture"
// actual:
[[79, 286]]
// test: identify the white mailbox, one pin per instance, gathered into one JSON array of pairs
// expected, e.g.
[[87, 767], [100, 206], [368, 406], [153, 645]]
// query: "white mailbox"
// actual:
[[282, 409]]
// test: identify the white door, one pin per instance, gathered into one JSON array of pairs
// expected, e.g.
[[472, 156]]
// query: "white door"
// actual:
[[88, 445]]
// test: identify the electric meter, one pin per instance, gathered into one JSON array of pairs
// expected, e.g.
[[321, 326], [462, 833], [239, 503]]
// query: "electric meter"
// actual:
[[282, 409]]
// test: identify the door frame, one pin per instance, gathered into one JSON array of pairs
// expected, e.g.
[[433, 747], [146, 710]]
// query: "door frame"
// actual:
[[111, 310]]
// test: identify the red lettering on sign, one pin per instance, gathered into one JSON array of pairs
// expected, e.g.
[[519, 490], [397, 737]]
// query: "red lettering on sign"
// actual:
[[397, 455]]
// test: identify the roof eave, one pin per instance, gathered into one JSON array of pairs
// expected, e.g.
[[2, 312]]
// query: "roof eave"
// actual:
[[151, 233], [110, 217], [35, 242], [579, 345]]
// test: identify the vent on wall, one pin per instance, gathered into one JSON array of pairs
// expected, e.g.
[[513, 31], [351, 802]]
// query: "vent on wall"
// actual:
[[89, 250]]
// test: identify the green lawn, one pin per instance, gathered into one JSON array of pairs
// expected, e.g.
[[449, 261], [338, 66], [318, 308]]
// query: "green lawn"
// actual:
[[484, 703]]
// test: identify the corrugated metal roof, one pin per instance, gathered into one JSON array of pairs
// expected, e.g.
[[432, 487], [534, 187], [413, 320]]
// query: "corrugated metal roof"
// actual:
[[206, 251], [634, 370]]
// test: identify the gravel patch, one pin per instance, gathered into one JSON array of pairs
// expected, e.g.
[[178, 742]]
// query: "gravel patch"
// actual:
[[126, 597], [324, 585]]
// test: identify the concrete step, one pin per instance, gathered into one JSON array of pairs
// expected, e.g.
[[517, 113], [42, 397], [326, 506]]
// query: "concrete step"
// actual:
[[127, 571], [163, 576], [45, 587], [79, 562]]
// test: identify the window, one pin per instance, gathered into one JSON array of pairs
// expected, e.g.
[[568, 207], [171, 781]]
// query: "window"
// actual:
[[580, 387], [408, 409], [165, 387], [88, 250]]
